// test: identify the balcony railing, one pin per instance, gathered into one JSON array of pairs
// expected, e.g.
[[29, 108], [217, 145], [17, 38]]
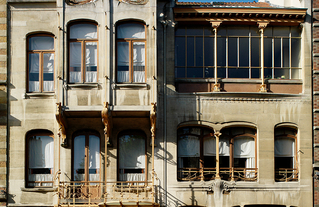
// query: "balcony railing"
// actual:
[[80, 193], [234, 174], [286, 174]]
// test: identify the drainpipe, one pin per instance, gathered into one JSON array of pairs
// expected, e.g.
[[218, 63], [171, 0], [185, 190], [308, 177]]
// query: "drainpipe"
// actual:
[[164, 23]]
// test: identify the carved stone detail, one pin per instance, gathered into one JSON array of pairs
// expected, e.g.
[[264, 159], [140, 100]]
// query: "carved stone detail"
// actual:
[[153, 119], [62, 124]]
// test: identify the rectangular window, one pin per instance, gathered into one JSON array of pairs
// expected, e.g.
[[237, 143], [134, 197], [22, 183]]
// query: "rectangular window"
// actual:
[[40, 63]]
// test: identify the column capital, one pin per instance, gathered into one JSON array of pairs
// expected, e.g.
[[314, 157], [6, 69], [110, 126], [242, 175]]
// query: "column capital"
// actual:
[[217, 133], [215, 24], [262, 25]]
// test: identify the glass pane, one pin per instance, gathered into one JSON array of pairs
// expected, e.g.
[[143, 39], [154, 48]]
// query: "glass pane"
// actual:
[[255, 52], [180, 73], [238, 73], [277, 52], [221, 51], [180, 51], [79, 158], [221, 72], [255, 73], [282, 73], [123, 62], [209, 51], [285, 50], [131, 30], [268, 73], [94, 158], [180, 31], [238, 31], [243, 52], [75, 62], [232, 51], [295, 31], [281, 31], [295, 52], [83, 31], [295, 73], [139, 62], [188, 146], [195, 73], [48, 69], [199, 51], [254, 31], [41, 43], [34, 72], [196, 31], [209, 72], [190, 51], [91, 62], [268, 52]]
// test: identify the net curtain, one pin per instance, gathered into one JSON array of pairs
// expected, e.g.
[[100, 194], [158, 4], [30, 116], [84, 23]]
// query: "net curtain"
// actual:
[[41, 43], [210, 147], [41, 156], [132, 156], [244, 147], [285, 147]]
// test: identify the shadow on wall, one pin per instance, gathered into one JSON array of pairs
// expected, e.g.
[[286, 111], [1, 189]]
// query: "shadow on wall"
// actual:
[[171, 200]]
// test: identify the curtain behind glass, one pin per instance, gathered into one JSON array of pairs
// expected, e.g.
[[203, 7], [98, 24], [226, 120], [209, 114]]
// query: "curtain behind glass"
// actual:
[[131, 30], [94, 158], [210, 146], [83, 31], [139, 62], [75, 62], [285, 147], [41, 43], [79, 158], [91, 62]]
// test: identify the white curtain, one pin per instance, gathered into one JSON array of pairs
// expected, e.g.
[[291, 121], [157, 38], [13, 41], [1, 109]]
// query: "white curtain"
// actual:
[[132, 176], [94, 157], [41, 156], [48, 63], [131, 30], [132, 152], [34, 86], [284, 147], [75, 77], [123, 76], [139, 76], [83, 31], [188, 146], [34, 62], [244, 147], [90, 77], [210, 147]]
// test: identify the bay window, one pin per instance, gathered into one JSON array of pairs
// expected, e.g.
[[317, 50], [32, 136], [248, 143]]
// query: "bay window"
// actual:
[[40, 146], [83, 47], [131, 44], [40, 63]]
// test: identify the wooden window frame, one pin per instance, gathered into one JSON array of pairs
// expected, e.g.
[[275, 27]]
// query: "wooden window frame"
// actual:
[[295, 158], [132, 132], [87, 134], [40, 52], [30, 134], [131, 42], [83, 43]]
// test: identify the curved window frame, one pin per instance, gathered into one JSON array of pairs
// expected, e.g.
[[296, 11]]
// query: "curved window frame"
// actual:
[[131, 42], [287, 174], [83, 42], [122, 171], [40, 53], [87, 134], [38, 133]]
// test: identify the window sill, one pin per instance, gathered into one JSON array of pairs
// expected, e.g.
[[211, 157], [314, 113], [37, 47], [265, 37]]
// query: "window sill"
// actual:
[[39, 95], [83, 85], [40, 190], [130, 85]]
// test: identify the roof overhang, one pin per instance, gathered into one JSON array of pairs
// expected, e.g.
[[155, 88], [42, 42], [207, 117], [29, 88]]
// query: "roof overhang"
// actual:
[[238, 14]]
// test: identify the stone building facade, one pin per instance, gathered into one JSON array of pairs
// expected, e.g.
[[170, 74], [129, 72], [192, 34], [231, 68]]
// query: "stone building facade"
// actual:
[[158, 103]]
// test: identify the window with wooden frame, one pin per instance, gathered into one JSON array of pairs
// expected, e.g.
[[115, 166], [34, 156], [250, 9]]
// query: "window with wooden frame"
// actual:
[[197, 154], [131, 54], [40, 63], [83, 52], [39, 159], [132, 156], [286, 168], [86, 156]]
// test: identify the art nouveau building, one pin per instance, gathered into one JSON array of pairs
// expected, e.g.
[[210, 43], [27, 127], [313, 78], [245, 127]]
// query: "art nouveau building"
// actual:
[[149, 103]]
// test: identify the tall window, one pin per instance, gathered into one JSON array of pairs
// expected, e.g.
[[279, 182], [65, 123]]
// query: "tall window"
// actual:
[[132, 158], [197, 154], [86, 157], [285, 154], [40, 63], [238, 52], [40, 159], [83, 53], [131, 42]]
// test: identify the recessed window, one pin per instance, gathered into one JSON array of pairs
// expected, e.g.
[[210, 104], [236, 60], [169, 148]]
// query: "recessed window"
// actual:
[[40, 146], [285, 155], [83, 51], [132, 156], [131, 44], [40, 63]]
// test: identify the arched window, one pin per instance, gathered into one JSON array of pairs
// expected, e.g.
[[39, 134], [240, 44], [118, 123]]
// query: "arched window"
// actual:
[[83, 51], [285, 154], [132, 156], [130, 45], [40, 157], [40, 63], [86, 156]]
